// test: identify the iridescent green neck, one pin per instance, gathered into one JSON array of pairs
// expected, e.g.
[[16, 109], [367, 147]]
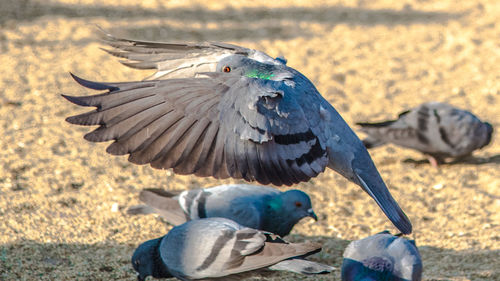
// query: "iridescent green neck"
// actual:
[[259, 74], [275, 203]]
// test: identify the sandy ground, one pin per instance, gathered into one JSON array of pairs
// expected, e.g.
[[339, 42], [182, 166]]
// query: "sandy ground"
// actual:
[[370, 59]]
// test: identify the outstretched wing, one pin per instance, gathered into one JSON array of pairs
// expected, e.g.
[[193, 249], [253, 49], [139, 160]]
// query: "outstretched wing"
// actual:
[[177, 60], [221, 126]]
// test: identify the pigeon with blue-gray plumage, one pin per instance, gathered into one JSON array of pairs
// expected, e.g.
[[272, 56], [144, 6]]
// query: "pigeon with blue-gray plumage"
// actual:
[[382, 257], [253, 206], [218, 248], [436, 129], [220, 110]]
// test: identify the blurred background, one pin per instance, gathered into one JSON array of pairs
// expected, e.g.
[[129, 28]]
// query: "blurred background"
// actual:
[[63, 200]]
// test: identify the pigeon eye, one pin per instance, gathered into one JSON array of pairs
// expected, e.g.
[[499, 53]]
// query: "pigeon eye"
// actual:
[[298, 204], [226, 69]]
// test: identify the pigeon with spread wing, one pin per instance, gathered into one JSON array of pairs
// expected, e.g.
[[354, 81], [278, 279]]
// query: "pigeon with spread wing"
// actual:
[[219, 110]]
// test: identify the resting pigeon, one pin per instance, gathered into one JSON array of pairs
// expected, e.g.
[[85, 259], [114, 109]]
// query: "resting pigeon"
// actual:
[[436, 129], [382, 257], [226, 111], [217, 247], [252, 206]]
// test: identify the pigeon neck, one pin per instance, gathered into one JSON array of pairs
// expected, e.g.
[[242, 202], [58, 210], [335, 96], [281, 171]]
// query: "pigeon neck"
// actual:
[[160, 270], [273, 220], [261, 74]]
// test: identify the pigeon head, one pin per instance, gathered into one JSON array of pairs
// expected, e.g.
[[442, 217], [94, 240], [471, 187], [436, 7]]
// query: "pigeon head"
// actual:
[[242, 65], [298, 204], [285, 210], [489, 134], [146, 261]]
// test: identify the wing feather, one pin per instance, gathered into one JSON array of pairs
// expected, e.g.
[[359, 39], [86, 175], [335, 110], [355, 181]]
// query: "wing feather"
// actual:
[[219, 125]]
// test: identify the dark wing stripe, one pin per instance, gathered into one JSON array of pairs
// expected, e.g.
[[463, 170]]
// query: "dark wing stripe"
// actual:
[[422, 138], [314, 153], [240, 248], [423, 119], [220, 243], [202, 200], [444, 137], [294, 138]]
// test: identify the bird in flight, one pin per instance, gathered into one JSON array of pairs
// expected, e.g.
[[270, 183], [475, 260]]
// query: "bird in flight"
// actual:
[[220, 110]]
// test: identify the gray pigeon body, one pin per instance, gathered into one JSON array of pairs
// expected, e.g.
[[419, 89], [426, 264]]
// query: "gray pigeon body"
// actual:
[[218, 248], [434, 128], [257, 207], [382, 257], [223, 111]]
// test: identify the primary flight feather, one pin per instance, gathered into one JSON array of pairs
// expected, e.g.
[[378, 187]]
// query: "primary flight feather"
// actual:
[[215, 109]]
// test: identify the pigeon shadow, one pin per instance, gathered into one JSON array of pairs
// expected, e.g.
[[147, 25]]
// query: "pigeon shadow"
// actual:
[[470, 160], [259, 22], [28, 260]]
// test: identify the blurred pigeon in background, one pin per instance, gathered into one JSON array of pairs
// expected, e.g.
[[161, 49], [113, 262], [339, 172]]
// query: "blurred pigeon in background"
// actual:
[[218, 247], [257, 207], [436, 129], [380, 257], [226, 111]]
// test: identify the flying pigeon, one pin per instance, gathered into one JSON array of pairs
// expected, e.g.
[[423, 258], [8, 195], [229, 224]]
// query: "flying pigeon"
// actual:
[[218, 247], [436, 129], [257, 207], [220, 110], [382, 257]]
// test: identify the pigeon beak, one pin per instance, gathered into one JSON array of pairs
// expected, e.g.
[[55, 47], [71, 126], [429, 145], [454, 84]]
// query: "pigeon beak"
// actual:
[[311, 214]]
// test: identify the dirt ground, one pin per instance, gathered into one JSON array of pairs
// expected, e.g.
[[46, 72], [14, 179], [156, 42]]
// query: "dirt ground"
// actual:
[[63, 200]]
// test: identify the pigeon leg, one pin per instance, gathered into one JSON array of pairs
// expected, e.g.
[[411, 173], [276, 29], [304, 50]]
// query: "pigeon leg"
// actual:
[[435, 161]]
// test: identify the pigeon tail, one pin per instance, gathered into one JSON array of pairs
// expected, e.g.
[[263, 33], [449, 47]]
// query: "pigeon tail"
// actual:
[[161, 202], [302, 266], [140, 210], [375, 187]]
